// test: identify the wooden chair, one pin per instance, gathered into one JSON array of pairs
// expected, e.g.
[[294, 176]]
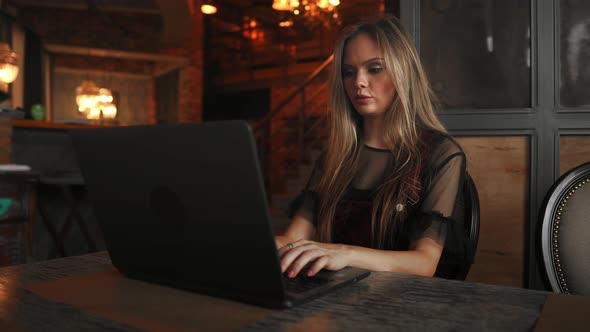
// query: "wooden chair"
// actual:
[[471, 202], [69, 189]]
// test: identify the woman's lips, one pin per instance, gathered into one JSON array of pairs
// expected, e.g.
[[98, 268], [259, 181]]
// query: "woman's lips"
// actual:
[[362, 99]]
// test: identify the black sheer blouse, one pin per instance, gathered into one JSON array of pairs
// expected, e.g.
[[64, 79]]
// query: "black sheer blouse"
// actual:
[[437, 214]]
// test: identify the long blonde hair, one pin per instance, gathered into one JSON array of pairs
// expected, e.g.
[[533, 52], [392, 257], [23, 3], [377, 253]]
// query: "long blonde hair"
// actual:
[[411, 112]]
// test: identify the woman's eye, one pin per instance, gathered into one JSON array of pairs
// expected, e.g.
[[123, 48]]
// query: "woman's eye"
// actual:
[[375, 70], [347, 73]]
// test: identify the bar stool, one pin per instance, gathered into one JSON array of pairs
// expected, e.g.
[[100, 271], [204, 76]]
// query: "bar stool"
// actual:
[[17, 201], [70, 187]]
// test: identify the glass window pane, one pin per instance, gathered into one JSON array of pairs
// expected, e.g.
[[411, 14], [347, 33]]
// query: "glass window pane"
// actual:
[[477, 52], [575, 53]]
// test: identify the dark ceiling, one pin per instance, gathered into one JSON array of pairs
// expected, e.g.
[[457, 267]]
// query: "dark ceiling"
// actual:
[[230, 11], [230, 19], [131, 5], [227, 8], [175, 13]]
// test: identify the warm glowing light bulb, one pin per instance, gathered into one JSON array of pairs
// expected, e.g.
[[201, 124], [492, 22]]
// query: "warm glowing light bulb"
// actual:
[[8, 72], [323, 4], [85, 102], [334, 2], [109, 111], [86, 95], [104, 96], [281, 5], [208, 9], [8, 64], [93, 113], [286, 24]]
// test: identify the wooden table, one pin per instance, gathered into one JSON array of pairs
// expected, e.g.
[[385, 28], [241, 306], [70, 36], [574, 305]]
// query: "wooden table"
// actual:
[[83, 293]]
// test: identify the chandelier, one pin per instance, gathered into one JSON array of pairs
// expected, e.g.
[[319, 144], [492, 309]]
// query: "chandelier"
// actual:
[[314, 11], [95, 102], [307, 5]]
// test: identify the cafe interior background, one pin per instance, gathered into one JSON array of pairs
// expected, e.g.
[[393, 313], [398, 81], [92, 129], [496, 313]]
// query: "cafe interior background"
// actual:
[[512, 77]]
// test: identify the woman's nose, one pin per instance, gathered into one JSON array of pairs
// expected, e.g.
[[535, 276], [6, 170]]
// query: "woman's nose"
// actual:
[[361, 81]]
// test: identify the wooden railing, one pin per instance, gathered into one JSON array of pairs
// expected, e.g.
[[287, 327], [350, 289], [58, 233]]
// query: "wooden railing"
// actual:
[[262, 129]]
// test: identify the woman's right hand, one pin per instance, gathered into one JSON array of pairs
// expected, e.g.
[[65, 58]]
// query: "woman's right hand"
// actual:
[[295, 256], [281, 241], [300, 228]]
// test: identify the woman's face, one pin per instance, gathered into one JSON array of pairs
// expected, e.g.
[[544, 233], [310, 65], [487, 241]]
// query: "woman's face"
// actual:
[[368, 85]]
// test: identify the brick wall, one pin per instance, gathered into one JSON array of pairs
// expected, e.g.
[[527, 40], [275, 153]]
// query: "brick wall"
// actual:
[[136, 32], [191, 76], [118, 31]]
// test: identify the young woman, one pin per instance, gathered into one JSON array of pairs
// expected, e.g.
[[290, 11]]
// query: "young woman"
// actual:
[[386, 195]]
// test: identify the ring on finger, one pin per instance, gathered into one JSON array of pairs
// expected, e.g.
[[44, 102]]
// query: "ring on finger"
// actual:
[[290, 245]]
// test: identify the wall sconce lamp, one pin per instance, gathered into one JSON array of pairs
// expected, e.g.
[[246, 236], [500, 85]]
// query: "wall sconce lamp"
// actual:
[[8, 66]]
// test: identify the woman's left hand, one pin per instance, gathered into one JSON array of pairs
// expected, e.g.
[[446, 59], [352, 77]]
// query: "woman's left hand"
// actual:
[[297, 255]]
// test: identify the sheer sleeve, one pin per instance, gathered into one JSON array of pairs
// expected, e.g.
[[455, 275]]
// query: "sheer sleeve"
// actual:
[[306, 203], [440, 215]]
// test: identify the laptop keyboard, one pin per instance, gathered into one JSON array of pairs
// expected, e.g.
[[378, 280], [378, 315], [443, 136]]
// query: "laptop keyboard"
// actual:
[[302, 283]]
